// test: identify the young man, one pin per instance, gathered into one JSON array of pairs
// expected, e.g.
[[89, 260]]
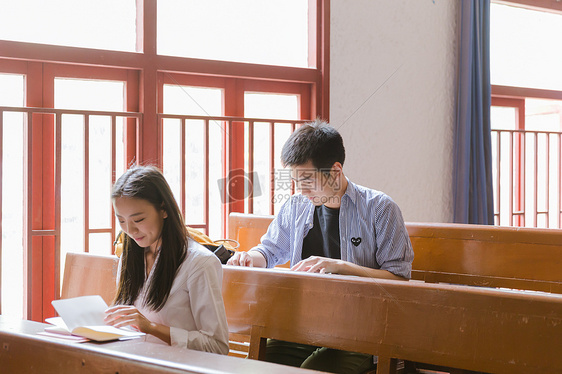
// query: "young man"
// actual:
[[332, 226]]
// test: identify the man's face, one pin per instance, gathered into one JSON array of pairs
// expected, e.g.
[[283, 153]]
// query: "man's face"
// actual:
[[319, 187]]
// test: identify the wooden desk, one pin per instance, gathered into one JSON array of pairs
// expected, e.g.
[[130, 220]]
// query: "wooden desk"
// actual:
[[472, 328], [22, 351]]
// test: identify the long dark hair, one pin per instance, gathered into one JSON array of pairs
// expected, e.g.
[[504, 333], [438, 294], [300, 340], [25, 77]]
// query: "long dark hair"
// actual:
[[148, 183]]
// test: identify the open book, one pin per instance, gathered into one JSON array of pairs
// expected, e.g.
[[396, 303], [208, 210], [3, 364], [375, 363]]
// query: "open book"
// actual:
[[83, 316]]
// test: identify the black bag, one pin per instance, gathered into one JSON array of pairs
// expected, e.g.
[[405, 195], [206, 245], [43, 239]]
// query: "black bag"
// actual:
[[220, 251]]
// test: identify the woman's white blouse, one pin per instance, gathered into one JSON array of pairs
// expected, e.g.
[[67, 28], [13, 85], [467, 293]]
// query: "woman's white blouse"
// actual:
[[194, 309]]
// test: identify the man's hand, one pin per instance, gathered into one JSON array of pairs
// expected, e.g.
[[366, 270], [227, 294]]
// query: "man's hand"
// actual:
[[316, 264], [250, 258], [241, 259]]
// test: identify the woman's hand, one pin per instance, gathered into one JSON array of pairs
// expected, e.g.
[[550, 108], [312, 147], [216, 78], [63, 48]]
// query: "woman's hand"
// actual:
[[127, 315]]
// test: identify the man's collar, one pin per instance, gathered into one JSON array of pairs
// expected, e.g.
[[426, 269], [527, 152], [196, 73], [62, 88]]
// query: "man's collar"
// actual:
[[350, 191]]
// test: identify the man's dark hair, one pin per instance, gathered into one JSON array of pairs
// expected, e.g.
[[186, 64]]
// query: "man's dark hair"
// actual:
[[314, 141]]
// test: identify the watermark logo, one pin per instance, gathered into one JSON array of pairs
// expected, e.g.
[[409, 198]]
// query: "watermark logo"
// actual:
[[319, 186], [239, 185]]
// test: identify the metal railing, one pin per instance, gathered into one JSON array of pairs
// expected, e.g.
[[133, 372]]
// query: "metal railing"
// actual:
[[243, 135], [527, 178]]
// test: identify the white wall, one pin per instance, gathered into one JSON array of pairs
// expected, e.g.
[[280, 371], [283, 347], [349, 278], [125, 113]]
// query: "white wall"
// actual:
[[399, 139]]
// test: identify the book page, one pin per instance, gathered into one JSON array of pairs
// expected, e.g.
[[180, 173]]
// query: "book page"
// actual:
[[57, 322], [81, 311], [84, 316]]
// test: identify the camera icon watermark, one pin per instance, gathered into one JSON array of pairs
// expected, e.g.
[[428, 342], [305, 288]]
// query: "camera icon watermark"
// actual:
[[239, 185]]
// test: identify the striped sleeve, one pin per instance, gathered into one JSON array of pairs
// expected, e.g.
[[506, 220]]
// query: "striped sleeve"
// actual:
[[275, 244], [394, 250]]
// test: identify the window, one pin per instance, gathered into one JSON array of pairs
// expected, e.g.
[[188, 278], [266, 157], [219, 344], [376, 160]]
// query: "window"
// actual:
[[526, 114], [136, 99]]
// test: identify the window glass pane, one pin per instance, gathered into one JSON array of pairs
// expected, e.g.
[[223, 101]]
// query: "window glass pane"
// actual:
[[101, 24], [216, 172], [12, 94], [89, 94], [101, 244], [503, 118], [274, 106], [273, 32], [100, 172], [195, 171], [196, 101], [525, 47], [72, 186], [171, 155], [200, 101], [543, 115]]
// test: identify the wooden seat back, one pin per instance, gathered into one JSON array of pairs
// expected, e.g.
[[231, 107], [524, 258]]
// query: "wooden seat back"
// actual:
[[247, 229], [470, 328], [476, 255], [491, 256], [89, 274]]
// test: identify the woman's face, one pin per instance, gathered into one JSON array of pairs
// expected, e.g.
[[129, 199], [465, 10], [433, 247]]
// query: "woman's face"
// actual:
[[140, 220]]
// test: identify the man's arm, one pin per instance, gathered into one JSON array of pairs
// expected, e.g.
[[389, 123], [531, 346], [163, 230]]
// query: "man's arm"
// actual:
[[275, 245], [394, 253], [315, 264]]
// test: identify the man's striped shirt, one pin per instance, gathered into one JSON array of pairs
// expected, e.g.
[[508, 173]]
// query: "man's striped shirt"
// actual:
[[372, 231]]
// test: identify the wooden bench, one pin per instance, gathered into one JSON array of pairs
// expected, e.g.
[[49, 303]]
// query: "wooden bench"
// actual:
[[476, 255], [482, 329]]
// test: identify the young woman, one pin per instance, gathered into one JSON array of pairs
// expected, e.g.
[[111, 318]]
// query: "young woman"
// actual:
[[169, 285]]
